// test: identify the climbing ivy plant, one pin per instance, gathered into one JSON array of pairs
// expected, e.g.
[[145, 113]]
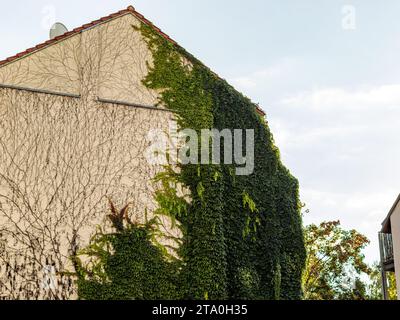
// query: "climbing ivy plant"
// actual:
[[128, 263], [242, 236]]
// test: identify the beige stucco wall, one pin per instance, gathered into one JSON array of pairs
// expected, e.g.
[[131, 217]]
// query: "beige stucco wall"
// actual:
[[62, 157], [107, 61], [54, 68], [395, 223]]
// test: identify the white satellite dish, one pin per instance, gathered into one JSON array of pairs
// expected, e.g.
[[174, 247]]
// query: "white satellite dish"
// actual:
[[57, 29]]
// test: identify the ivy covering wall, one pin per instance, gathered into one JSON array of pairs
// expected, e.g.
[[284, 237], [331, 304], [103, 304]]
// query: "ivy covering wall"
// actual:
[[242, 235]]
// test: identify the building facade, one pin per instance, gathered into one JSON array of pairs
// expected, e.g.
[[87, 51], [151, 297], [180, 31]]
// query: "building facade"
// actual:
[[74, 118], [389, 243], [75, 130]]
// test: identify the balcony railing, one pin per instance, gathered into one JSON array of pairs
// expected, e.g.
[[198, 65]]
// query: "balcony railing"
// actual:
[[386, 247]]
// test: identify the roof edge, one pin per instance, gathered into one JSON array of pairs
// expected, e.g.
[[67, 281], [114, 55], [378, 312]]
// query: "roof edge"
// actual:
[[386, 226], [78, 30]]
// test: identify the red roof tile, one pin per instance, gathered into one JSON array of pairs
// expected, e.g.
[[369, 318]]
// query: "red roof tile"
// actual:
[[75, 31], [92, 24]]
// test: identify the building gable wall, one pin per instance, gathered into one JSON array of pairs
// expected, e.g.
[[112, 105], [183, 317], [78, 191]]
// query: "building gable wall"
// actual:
[[63, 157], [107, 61]]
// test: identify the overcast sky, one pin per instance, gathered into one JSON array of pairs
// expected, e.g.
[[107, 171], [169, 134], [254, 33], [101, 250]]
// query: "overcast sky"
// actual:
[[325, 71]]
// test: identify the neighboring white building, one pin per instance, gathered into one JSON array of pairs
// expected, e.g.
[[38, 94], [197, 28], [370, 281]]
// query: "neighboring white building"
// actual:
[[389, 243]]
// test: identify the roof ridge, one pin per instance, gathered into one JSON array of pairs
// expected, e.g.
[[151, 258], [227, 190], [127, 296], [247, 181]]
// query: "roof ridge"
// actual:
[[77, 30]]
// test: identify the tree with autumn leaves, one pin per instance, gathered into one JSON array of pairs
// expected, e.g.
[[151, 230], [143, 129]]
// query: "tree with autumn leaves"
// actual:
[[375, 286], [335, 263], [335, 268]]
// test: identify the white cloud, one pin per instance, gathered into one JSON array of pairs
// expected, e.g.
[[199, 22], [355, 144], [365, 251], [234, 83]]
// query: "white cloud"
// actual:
[[244, 82], [317, 134], [338, 98], [266, 76], [343, 145], [349, 121], [361, 211]]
